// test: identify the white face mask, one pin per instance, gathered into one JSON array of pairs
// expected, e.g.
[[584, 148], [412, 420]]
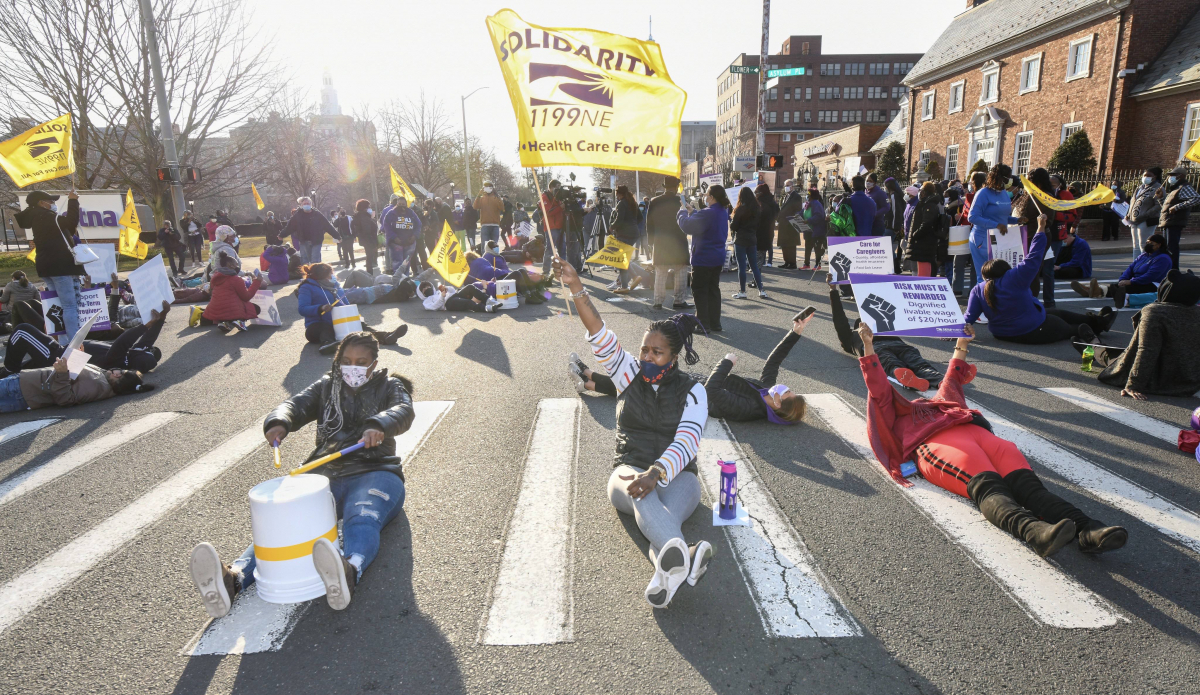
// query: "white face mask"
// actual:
[[1172, 180], [1147, 180], [487, 189], [776, 393], [53, 207], [908, 197], [870, 185], [355, 376], [370, 211], [306, 208], [787, 189]]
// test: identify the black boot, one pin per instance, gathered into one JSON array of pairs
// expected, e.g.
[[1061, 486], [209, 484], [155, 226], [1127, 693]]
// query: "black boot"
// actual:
[[391, 338], [998, 505], [1094, 536]]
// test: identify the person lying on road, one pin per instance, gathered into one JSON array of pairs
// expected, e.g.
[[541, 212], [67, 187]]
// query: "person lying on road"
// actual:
[[133, 349], [32, 389], [354, 402]]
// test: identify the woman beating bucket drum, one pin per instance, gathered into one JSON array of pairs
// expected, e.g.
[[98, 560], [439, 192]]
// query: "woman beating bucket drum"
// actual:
[[359, 411]]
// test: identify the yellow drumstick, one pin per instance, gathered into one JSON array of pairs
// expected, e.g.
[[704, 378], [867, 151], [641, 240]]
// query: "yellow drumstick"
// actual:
[[325, 459], [276, 445]]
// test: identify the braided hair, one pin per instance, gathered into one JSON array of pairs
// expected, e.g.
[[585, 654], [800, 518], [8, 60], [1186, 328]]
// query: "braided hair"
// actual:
[[333, 419], [678, 331]]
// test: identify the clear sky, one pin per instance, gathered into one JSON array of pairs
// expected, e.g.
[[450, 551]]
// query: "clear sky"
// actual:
[[380, 50]]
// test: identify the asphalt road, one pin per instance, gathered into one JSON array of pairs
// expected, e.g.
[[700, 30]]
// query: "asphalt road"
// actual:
[[928, 615]]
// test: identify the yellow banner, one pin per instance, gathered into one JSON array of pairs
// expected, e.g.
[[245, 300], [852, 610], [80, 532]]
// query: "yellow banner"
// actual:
[[1193, 152], [129, 243], [447, 257], [40, 153], [1100, 194], [614, 253], [257, 198], [588, 98], [400, 188]]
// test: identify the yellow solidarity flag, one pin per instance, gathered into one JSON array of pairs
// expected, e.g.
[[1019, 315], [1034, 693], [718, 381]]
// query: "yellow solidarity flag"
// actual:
[[1193, 152], [614, 253], [257, 198], [588, 98], [1100, 194], [400, 188], [129, 243], [447, 257], [40, 153]]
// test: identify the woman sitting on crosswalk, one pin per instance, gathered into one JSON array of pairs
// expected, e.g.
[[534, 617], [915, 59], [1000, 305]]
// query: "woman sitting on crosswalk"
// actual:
[[955, 449], [354, 402], [661, 412], [317, 296]]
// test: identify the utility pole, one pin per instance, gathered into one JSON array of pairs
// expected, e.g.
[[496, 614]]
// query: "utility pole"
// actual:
[[164, 112], [466, 146], [762, 79]]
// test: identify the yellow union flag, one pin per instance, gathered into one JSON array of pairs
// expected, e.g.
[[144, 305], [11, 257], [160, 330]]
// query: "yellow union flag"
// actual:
[[400, 188], [257, 198], [614, 253], [40, 153], [129, 243], [1193, 152], [1100, 194], [447, 257], [588, 98]]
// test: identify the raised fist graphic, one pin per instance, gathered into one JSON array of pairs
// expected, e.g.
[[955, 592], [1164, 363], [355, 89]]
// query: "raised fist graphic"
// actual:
[[841, 266], [882, 311], [55, 314]]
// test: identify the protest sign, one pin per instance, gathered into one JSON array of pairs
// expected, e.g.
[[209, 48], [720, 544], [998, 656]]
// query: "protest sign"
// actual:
[[268, 313], [615, 253], [91, 302], [151, 287], [867, 255], [76, 360], [1010, 246], [105, 267], [907, 305]]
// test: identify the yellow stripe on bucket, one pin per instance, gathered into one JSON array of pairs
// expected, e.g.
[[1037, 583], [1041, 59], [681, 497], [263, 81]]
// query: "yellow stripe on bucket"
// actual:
[[959, 243], [506, 296], [347, 319], [291, 552]]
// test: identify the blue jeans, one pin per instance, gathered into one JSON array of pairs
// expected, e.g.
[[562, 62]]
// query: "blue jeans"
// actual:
[[365, 504], [309, 252], [11, 400], [1048, 274], [491, 232], [747, 255], [978, 244], [401, 255], [67, 287]]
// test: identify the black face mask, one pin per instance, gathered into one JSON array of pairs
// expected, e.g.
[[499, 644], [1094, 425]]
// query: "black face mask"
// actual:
[[1150, 247]]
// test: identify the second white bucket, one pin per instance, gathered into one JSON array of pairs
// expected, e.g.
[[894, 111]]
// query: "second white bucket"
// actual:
[[506, 292], [288, 515], [346, 320]]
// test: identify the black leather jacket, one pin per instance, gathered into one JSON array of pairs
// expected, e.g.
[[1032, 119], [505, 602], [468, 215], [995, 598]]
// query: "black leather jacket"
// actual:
[[383, 403], [737, 398]]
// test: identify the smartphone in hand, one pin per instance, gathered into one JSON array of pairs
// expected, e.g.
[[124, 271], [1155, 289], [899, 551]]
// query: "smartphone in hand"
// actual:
[[805, 313]]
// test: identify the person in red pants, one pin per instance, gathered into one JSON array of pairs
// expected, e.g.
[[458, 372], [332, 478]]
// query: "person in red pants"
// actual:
[[954, 448]]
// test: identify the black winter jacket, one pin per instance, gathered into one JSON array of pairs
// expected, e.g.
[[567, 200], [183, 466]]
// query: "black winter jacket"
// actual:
[[383, 403], [743, 226], [926, 229], [365, 229], [54, 257], [768, 210], [625, 222], [737, 398]]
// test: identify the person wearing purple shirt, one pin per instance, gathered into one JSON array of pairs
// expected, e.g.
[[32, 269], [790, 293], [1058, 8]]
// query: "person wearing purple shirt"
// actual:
[[882, 206], [709, 230], [864, 209], [1015, 315]]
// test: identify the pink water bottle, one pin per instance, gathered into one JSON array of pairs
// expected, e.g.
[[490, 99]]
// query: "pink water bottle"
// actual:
[[727, 505]]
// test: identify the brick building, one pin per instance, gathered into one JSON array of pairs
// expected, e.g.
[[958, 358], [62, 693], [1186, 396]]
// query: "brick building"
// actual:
[[837, 91], [1010, 80]]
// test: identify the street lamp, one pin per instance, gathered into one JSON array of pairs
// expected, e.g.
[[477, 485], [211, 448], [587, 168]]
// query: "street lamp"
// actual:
[[466, 150]]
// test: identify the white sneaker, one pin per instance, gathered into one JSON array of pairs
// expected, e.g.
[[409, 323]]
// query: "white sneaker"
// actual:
[[493, 305], [573, 364], [671, 567], [701, 555], [769, 264], [209, 576], [338, 575], [580, 384], [762, 295], [612, 286], [739, 295]]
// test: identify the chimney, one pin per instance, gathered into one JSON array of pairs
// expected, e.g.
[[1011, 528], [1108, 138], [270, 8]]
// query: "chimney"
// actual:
[[974, 3]]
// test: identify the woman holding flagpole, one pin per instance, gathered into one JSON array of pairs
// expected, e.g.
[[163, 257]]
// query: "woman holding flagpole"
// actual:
[[661, 411]]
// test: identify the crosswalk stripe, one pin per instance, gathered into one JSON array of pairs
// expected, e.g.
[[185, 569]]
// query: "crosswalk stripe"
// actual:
[[1116, 413], [1104, 485], [532, 599], [791, 594], [1045, 593], [21, 428], [81, 455], [45, 579], [253, 625]]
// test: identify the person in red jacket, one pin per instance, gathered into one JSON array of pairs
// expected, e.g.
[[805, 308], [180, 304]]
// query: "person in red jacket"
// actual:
[[955, 449], [230, 304]]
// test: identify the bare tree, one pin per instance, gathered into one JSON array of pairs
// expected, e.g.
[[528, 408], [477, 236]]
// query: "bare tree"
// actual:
[[420, 132]]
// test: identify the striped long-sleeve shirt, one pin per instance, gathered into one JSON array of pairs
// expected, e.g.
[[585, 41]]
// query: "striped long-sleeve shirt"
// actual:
[[623, 368]]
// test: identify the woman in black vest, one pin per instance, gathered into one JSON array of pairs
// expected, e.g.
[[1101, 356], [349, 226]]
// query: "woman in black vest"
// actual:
[[661, 412]]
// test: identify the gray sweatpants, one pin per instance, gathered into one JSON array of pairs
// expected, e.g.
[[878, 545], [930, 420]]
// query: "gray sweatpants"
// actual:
[[661, 513]]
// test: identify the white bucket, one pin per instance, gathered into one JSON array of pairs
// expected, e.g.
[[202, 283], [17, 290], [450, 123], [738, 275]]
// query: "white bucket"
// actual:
[[958, 240], [506, 292], [346, 320], [288, 515]]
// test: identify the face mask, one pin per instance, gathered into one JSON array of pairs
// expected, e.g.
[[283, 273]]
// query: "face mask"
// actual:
[[653, 373], [306, 208], [787, 189], [1172, 180], [870, 185], [908, 197], [355, 376], [370, 211], [488, 189], [1148, 247], [1147, 180], [971, 187], [53, 207], [778, 390]]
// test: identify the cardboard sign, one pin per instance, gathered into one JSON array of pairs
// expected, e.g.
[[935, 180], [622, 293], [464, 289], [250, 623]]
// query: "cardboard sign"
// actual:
[[865, 255], [1010, 247], [91, 302], [151, 287], [268, 313], [908, 306], [103, 269]]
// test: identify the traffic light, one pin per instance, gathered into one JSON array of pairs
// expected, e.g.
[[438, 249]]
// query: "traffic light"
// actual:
[[164, 174], [187, 174], [191, 175], [769, 162]]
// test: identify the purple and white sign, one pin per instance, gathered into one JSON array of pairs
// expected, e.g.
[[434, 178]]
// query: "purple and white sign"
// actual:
[[907, 305], [90, 302], [866, 255]]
